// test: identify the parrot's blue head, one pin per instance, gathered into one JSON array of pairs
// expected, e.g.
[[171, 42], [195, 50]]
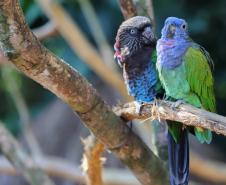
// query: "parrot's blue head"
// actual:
[[175, 28]]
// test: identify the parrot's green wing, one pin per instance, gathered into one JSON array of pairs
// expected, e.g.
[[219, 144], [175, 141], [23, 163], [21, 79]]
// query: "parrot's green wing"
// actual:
[[158, 85], [154, 57], [199, 76], [200, 79]]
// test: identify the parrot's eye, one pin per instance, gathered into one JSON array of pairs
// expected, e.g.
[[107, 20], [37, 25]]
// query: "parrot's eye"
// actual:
[[133, 31], [184, 26]]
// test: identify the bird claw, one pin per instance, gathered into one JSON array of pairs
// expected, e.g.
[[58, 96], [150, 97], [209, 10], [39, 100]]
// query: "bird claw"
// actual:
[[131, 126], [138, 108], [165, 97], [177, 103]]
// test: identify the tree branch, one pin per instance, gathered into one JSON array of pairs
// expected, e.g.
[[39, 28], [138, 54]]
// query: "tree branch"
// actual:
[[21, 160], [128, 8], [47, 30], [185, 113], [80, 45], [98, 34], [150, 9], [91, 161], [57, 167], [213, 171], [23, 49], [145, 8], [15, 93]]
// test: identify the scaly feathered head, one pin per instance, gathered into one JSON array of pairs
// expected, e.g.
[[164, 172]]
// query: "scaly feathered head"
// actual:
[[133, 35], [175, 28]]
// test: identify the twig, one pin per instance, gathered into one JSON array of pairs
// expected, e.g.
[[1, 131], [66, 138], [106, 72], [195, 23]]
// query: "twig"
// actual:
[[20, 159], [128, 8], [185, 113], [150, 10], [208, 170], [91, 162], [212, 171], [145, 8], [98, 34], [33, 59], [57, 167], [21, 106], [47, 30], [80, 45]]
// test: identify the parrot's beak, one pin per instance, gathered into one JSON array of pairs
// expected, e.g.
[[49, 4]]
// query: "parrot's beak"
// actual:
[[148, 32], [171, 31], [148, 35]]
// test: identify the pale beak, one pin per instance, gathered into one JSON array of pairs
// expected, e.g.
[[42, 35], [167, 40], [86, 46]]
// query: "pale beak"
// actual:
[[149, 37], [172, 29], [148, 33]]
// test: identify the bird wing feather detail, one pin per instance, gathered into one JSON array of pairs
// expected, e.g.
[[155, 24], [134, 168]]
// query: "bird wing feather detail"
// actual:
[[199, 76]]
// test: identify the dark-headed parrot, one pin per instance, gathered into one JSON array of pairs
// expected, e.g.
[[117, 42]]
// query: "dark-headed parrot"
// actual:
[[135, 52]]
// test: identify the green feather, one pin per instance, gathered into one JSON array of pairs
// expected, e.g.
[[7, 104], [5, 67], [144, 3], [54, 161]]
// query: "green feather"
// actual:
[[175, 129], [158, 85], [200, 80]]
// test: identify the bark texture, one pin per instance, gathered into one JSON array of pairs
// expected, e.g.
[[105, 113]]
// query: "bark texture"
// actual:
[[19, 46], [23, 163], [128, 8], [185, 113]]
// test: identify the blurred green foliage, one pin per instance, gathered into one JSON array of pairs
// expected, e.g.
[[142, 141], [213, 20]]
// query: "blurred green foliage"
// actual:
[[207, 26]]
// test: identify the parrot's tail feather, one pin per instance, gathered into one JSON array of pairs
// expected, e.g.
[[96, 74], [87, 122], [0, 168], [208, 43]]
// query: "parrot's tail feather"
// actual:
[[178, 154]]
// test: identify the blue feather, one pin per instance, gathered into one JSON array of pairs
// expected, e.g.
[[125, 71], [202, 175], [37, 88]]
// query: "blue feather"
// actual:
[[141, 82]]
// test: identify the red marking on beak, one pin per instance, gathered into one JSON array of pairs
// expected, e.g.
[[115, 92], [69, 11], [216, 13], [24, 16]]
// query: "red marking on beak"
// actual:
[[117, 56]]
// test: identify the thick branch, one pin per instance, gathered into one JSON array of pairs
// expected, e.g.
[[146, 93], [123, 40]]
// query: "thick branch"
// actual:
[[185, 113], [80, 45], [21, 47]]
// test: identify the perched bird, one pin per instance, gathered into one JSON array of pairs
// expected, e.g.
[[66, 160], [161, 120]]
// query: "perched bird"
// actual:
[[185, 72], [135, 52]]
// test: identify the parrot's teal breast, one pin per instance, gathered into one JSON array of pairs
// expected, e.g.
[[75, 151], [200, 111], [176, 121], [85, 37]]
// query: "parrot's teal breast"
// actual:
[[176, 85], [174, 81]]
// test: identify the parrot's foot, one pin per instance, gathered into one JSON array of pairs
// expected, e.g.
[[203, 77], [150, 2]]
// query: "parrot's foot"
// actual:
[[165, 97], [177, 103], [138, 107], [130, 126]]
